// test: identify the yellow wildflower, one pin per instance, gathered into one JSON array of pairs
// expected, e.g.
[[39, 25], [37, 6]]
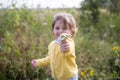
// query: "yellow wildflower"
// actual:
[[83, 74], [115, 48], [91, 72]]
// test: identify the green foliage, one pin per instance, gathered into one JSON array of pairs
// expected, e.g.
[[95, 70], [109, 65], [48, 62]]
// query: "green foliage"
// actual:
[[92, 6], [98, 19], [114, 62], [20, 39]]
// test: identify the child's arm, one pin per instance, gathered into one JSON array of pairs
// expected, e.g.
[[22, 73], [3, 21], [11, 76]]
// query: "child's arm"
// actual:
[[40, 62]]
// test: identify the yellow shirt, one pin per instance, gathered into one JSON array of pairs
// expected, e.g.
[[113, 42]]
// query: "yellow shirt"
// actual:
[[62, 64]]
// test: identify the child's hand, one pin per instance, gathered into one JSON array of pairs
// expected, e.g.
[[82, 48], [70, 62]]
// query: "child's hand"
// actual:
[[34, 63], [65, 46]]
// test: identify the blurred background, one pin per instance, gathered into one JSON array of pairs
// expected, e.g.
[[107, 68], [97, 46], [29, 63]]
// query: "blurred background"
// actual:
[[25, 33], [41, 3]]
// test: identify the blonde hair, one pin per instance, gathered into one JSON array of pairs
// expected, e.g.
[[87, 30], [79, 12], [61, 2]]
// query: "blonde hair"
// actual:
[[67, 19]]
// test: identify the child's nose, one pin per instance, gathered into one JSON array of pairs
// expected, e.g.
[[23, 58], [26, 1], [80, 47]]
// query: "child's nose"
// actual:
[[61, 31]]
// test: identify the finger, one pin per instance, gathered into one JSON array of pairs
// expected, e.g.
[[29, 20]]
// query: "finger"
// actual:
[[64, 41], [65, 49], [64, 45]]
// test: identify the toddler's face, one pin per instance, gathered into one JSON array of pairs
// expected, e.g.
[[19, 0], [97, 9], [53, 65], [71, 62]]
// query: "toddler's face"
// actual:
[[59, 28]]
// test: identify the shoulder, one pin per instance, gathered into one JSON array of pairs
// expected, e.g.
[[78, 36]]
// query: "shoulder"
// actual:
[[51, 43]]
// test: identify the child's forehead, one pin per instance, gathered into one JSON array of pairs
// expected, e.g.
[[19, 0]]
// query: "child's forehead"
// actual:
[[63, 23]]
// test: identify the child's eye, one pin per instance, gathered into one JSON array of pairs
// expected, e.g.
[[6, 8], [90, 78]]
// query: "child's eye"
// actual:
[[57, 28]]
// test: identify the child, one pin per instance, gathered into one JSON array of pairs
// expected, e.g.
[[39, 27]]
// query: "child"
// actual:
[[61, 51]]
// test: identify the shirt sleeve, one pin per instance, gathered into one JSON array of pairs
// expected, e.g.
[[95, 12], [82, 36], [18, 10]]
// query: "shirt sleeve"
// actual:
[[43, 61]]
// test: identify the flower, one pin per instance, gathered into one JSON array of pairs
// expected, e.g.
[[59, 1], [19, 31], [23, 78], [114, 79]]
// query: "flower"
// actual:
[[115, 48], [83, 74], [86, 74], [91, 72]]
